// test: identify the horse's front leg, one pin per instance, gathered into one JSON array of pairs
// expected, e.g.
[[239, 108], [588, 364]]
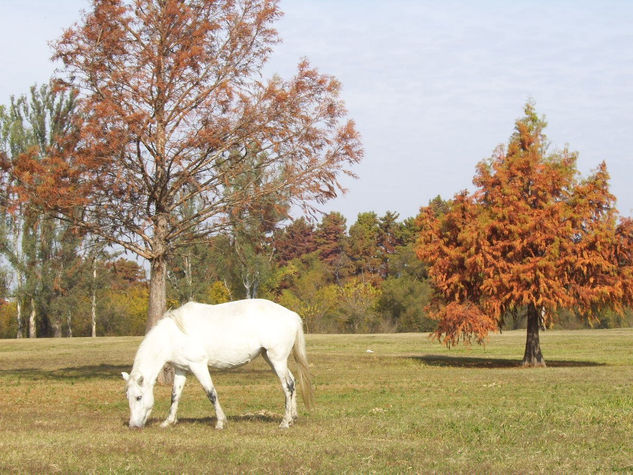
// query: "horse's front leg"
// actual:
[[201, 371], [179, 383]]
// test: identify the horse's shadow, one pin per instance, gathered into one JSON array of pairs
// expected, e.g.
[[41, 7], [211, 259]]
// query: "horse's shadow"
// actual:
[[492, 363], [259, 416]]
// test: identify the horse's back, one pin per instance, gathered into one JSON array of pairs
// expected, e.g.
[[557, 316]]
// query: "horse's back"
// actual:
[[240, 315], [233, 333]]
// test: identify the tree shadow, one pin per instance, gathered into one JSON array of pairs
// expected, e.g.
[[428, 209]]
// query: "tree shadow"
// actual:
[[74, 373], [85, 373], [493, 363]]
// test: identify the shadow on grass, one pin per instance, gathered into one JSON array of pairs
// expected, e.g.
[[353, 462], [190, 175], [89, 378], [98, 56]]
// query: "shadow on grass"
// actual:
[[473, 362], [259, 416], [72, 373], [105, 371]]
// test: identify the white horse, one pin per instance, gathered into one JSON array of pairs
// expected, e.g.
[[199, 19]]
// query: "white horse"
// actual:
[[196, 336]]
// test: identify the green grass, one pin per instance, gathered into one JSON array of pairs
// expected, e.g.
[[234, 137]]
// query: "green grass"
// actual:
[[411, 405]]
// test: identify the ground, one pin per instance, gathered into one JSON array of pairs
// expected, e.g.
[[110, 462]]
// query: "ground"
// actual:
[[407, 405]]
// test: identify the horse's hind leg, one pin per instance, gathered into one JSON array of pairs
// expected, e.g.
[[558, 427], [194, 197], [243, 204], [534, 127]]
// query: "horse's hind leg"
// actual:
[[179, 383], [293, 402], [201, 371], [280, 367]]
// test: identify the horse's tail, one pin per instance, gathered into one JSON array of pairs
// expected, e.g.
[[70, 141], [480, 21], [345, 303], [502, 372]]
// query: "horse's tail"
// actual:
[[304, 378]]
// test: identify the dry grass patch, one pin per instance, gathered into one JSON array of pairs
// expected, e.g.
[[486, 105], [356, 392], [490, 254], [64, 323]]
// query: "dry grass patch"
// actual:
[[410, 405]]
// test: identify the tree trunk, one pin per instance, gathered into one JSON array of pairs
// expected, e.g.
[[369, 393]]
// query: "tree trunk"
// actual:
[[69, 322], [19, 309], [57, 328], [93, 305], [17, 234], [157, 291], [533, 356], [158, 306], [32, 322]]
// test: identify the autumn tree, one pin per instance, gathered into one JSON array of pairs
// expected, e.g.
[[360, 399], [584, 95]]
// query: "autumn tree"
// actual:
[[532, 237], [39, 248], [294, 241], [307, 289], [170, 90]]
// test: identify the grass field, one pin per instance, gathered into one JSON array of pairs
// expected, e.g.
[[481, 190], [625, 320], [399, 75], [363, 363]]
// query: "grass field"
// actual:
[[410, 406]]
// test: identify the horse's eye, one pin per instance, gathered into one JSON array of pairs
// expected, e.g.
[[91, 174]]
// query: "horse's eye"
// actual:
[[138, 398]]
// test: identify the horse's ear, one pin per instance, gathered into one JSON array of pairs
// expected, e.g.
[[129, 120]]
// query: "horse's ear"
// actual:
[[125, 376]]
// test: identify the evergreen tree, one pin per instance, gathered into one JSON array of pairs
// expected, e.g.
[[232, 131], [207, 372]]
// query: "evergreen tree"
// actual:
[[363, 245], [332, 245]]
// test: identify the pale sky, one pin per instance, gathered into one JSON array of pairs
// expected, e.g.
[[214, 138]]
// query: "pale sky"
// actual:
[[434, 86]]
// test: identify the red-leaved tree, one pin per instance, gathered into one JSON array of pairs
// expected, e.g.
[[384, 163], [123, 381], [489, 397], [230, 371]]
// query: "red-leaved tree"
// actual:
[[171, 102], [532, 237]]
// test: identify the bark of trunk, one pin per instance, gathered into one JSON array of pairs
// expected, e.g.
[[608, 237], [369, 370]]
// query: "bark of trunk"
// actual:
[[93, 304], [19, 308], [69, 322], [57, 329], [32, 322], [158, 306], [533, 356], [157, 291], [18, 256]]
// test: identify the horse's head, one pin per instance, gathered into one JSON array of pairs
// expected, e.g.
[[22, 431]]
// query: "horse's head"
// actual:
[[141, 399]]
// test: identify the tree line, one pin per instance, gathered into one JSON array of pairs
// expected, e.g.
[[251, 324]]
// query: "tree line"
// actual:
[[340, 277], [437, 272], [364, 277], [160, 146]]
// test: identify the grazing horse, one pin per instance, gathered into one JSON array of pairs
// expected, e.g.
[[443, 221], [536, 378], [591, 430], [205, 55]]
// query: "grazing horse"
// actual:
[[196, 336]]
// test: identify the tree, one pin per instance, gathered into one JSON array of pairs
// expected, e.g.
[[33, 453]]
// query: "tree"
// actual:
[[192, 270], [363, 241], [294, 241], [356, 309], [406, 291], [170, 91], [123, 308], [332, 244], [390, 238], [532, 236], [38, 247], [252, 224], [307, 289]]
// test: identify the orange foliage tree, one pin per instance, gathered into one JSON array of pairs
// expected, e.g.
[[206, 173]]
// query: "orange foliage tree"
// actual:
[[171, 101], [532, 237]]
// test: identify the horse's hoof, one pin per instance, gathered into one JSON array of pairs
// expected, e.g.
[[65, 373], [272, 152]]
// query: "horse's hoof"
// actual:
[[284, 425], [167, 424], [219, 426]]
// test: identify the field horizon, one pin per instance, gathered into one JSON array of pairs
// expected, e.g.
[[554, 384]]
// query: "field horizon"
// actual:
[[385, 403]]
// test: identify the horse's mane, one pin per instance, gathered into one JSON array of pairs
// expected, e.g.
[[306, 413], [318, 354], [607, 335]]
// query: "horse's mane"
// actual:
[[176, 316]]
